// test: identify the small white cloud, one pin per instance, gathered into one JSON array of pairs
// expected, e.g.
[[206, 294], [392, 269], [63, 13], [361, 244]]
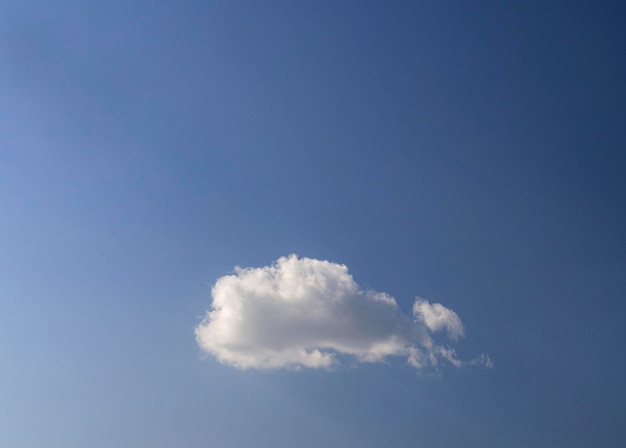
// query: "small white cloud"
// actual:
[[302, 312], [437, 317]]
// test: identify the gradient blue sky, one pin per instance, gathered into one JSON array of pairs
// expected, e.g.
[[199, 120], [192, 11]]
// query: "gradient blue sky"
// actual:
[[468, 152]]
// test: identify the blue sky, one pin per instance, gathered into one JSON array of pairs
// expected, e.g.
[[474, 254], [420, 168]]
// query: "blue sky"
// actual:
[[468, 153]]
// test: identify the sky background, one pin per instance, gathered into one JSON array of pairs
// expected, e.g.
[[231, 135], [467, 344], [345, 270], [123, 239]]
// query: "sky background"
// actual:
[[471, 153]]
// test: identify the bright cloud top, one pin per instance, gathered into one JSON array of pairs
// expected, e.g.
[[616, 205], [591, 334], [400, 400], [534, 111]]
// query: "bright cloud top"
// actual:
[[302, 312]]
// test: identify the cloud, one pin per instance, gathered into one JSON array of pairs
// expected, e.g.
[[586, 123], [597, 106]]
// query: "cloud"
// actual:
[[437, 316], [302, 312]]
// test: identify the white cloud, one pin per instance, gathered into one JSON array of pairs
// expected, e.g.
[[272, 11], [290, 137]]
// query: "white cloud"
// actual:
[[437, 316], [302, 312]]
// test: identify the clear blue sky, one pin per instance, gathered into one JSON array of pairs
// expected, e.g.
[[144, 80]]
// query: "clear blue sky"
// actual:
[[472, 153]]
